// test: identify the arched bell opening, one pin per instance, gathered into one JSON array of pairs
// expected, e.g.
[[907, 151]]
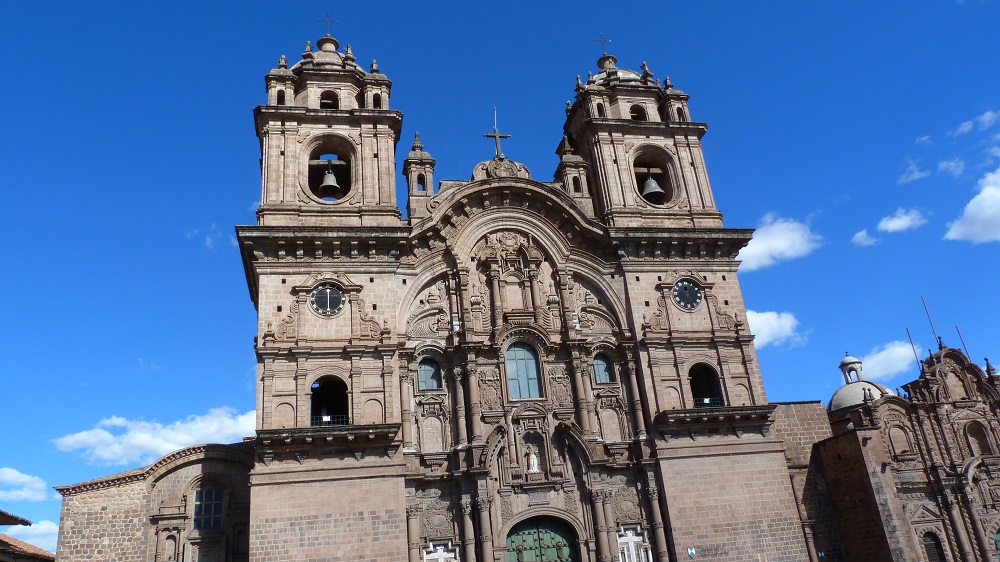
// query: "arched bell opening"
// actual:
[[377, 101], [421, 183], [638, 113], [329, 404], [329, 100], [281, 97], [330, 170], [652, 177], [601, 113], [706, 389], [542, 538]]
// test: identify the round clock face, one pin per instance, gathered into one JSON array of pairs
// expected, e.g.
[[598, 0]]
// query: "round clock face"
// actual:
[[327, 299], [687, 294]]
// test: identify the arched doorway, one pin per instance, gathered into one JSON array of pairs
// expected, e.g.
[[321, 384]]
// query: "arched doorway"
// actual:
[[542, 539]]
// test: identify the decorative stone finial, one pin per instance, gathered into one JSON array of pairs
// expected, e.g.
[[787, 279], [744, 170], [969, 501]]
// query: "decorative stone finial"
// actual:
[[282, 62], [374, 67], [348, 54], [941, 344], [308, 50], [590, 77], [417, 146], [569, 107], [579, 84], [851, 365], [989, 368]]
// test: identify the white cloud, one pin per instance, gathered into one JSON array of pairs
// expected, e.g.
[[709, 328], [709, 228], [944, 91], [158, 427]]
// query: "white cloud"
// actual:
[[926, 139], [889, 360], [774, 328], [208, 236], [980, 221], [983, 121], [912, 173], [862, 238], [955, 166], [778, 240], [902, 219], [117, 440], [42, 534], [19, 487]]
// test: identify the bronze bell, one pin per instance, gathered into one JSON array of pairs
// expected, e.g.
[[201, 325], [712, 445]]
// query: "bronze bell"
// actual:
[[329, 187], [652, 192]]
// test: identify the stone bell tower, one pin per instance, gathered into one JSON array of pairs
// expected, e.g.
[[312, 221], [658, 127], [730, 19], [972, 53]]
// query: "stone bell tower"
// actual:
[[328, 142]]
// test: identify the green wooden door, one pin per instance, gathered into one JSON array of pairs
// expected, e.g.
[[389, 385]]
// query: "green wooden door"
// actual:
[[542, 539]]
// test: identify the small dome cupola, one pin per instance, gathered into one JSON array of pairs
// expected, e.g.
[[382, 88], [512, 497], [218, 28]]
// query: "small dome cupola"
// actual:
[[849, 366]]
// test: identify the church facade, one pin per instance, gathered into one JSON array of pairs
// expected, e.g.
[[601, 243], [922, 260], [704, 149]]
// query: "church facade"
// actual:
[[518, 370]]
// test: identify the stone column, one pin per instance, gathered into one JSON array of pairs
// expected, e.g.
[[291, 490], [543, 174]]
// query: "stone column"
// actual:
[[495, 293], [485, 528], [468, 532], [405, 400], [659, 537], [610, 520], [807, 530], [413, 532], [536, 301], [588, 389], [982, 542], [640, 421], [475, 412], [456, 377], [581, 398], [600, 527], [958, 529]]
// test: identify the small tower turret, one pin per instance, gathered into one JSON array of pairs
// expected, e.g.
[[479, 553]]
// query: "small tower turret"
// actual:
[[419, 171]]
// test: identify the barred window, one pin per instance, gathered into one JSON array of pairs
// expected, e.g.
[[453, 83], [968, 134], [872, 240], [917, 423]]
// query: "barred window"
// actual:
[[522, 372], [603, 372], [428, 375], [208, 506]]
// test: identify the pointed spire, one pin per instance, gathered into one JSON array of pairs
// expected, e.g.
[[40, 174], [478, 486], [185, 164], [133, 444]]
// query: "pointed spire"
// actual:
[[417, 146], [941, 344], [308, 50], [990, 371], [646, 74], [282, 62], [349, 54], [374, 67], [564, 146]]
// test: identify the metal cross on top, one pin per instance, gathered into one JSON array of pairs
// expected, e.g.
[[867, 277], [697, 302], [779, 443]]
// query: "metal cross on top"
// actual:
[[497, 135], [604, 43], [328, 21]]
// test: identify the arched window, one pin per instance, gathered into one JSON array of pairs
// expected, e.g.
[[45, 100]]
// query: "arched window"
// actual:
[[705, 387], [428, 375], [329, 100], [900, 441], [600, 110], [208, 506], [329, 404], [603, 371], [281, 97], [577, 188], [377, 101], [979, 443], [680, 114], [652, 177], [638, 113], [330, 169], [933, 549], [421, 183], [522, 372]]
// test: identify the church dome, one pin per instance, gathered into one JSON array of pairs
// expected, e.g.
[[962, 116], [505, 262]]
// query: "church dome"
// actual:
[[853, 394]]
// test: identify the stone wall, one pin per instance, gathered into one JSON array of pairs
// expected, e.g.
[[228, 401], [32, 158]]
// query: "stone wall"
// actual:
[[104, 524]]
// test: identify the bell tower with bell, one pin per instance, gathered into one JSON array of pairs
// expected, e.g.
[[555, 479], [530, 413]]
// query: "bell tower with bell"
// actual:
[[641, 147], [328, 140]]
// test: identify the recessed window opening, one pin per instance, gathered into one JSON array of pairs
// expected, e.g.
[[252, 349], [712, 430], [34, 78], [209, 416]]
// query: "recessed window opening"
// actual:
[[979, 444], [637, 113], [652, 177], [680, 114], [329, 100], [600, 110], [329, 404], [522, 372], [377, 101], [281, 97], [705, 388], [577, 188], [933, 549], [208, 506], [421, 183], [603, 371], [330, 171], [428, 375]]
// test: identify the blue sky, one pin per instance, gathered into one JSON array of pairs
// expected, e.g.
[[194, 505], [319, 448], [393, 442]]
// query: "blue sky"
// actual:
[[861, 139]]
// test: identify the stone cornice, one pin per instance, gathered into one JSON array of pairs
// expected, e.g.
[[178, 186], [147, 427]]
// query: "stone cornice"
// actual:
[[239, 452]]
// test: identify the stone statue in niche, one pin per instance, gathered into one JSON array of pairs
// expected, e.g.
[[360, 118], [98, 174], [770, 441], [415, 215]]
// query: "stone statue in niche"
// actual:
[[533, 465]]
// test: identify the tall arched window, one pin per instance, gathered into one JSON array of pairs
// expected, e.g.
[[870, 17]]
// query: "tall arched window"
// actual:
[[329, 402], [600, 110], [377, 101], [637, 113], [603, 371], [933, 549], [329, 100], [281, 97], [522, 372], [208, 506], [428, 375], [705, 387]]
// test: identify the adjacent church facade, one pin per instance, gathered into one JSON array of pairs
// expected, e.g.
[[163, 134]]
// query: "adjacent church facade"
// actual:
[[523, 370]]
